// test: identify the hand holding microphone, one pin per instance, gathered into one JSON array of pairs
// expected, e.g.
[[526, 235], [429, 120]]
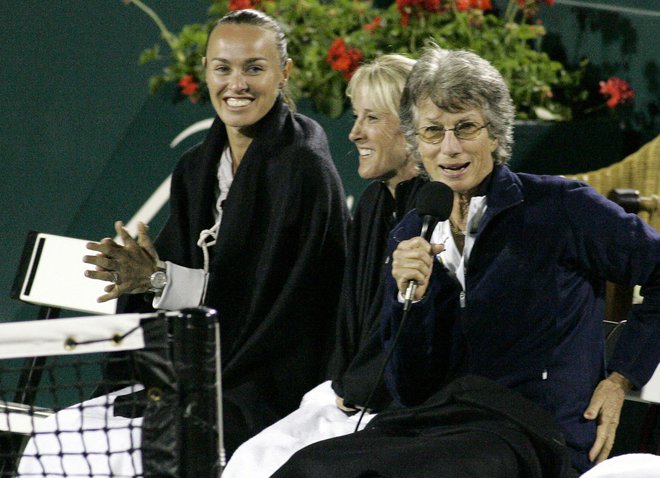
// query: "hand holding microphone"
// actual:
[[412, 260]]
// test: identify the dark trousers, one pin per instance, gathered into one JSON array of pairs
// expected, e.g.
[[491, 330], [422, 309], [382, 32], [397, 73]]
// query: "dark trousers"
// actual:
[[471, 428]]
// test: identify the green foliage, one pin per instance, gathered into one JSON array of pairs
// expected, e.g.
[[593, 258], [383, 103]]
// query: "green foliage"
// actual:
[[541, 87]]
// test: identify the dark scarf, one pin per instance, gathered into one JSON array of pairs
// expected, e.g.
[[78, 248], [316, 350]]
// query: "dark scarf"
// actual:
[[357, 357], [275, 272]]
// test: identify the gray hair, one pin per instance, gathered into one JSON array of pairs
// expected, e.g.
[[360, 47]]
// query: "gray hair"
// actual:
[[458, 80], [382, 81]]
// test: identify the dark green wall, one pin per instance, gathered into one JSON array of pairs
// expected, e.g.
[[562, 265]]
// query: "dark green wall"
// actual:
[[82, 143], [619, 38], [71, 93]]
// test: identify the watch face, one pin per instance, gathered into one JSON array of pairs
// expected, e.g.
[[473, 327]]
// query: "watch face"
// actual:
[[158, 280]]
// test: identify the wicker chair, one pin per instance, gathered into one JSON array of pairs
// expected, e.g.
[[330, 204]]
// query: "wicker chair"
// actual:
[[641, 172]]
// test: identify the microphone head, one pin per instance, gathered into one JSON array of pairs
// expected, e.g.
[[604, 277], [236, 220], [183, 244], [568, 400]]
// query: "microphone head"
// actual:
[[435, 199]]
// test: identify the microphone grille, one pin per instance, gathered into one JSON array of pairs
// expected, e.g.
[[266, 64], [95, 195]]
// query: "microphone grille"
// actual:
[[435, 199]]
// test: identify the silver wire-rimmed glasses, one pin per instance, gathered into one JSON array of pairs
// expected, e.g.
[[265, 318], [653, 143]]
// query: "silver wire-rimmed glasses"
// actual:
[[464, 130]]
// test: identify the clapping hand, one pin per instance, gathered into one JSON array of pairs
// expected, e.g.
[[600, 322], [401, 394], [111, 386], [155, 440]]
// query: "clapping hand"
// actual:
[[128, 266]]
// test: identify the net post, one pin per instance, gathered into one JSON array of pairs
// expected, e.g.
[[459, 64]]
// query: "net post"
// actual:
[[196, 353]]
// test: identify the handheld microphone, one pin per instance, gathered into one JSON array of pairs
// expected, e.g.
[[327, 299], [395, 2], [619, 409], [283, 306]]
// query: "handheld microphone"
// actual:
[[433, 204]]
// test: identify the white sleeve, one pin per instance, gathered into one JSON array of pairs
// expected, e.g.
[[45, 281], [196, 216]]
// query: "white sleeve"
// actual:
[[185, 288]]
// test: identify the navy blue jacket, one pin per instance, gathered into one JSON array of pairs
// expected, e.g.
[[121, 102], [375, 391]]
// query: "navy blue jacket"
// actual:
[[531, 315]]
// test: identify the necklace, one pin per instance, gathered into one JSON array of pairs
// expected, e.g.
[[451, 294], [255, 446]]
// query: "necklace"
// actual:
[[458, 235], [455, 230]]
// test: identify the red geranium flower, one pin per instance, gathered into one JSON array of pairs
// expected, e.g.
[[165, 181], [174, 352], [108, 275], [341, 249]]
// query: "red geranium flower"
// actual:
[[189, 87], [337, 48], [482, 4], [417, 7], [373, 24], [617, 91], [343, 59], [242, 4], [463, 5]]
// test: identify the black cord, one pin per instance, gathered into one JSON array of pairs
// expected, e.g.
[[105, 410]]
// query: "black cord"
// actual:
[[116, 339], [616, 327], [382, 369]]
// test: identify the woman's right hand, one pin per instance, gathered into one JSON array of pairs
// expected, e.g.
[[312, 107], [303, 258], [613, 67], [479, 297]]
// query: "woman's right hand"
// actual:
[[413, 260], [128, 267]]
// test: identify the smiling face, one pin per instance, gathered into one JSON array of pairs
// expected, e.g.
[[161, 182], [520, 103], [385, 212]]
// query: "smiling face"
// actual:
[[461, 164], [380, 143], [243, 73]]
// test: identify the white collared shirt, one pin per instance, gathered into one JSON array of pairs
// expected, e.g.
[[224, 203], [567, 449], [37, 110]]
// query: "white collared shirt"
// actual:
[[452, 259], [187, 287]]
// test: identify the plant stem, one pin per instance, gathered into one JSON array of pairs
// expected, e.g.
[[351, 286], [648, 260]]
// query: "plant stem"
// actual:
[[510, 12], [164, 32]]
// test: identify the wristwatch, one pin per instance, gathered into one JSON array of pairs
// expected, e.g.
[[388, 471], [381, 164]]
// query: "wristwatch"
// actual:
[[158, 281]]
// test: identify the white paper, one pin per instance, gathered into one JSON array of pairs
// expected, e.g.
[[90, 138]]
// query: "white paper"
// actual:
[[60, 279]]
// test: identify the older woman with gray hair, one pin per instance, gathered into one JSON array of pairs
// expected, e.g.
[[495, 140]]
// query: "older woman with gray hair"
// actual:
[[498, 358]]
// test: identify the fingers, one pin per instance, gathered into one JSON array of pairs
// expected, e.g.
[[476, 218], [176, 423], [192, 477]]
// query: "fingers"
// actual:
[[112, 293], [144, 241], [605, 434], [603, 445], [128, 266], [102, 263], [412, 261], [594, 406], [104, 267], [106, 246], [605, 405], [108, 276], [126, 238], [437, 249]]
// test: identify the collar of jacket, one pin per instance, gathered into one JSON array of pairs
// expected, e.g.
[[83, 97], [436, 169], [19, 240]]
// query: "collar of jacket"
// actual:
[[505, 191], [266, 135], [268, 132]]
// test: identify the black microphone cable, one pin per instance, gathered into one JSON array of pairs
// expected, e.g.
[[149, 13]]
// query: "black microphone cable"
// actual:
[[404, 318], [434, 204]]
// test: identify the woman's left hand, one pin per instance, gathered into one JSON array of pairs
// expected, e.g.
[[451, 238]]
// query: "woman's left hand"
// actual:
[[128, 267], [605, 405]]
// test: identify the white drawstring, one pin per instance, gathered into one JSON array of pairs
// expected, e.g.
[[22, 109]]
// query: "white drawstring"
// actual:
[[208, 238]]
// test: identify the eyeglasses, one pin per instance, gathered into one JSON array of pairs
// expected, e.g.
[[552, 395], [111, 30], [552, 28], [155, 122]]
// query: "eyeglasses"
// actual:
[[435, 134]]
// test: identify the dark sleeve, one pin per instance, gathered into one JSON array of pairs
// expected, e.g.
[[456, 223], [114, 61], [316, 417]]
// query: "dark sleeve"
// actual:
[[356, 356], [421, 356], [621, 248]]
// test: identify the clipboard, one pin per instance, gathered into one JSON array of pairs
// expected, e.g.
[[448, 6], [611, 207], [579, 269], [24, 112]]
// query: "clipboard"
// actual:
[[51, 273]]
